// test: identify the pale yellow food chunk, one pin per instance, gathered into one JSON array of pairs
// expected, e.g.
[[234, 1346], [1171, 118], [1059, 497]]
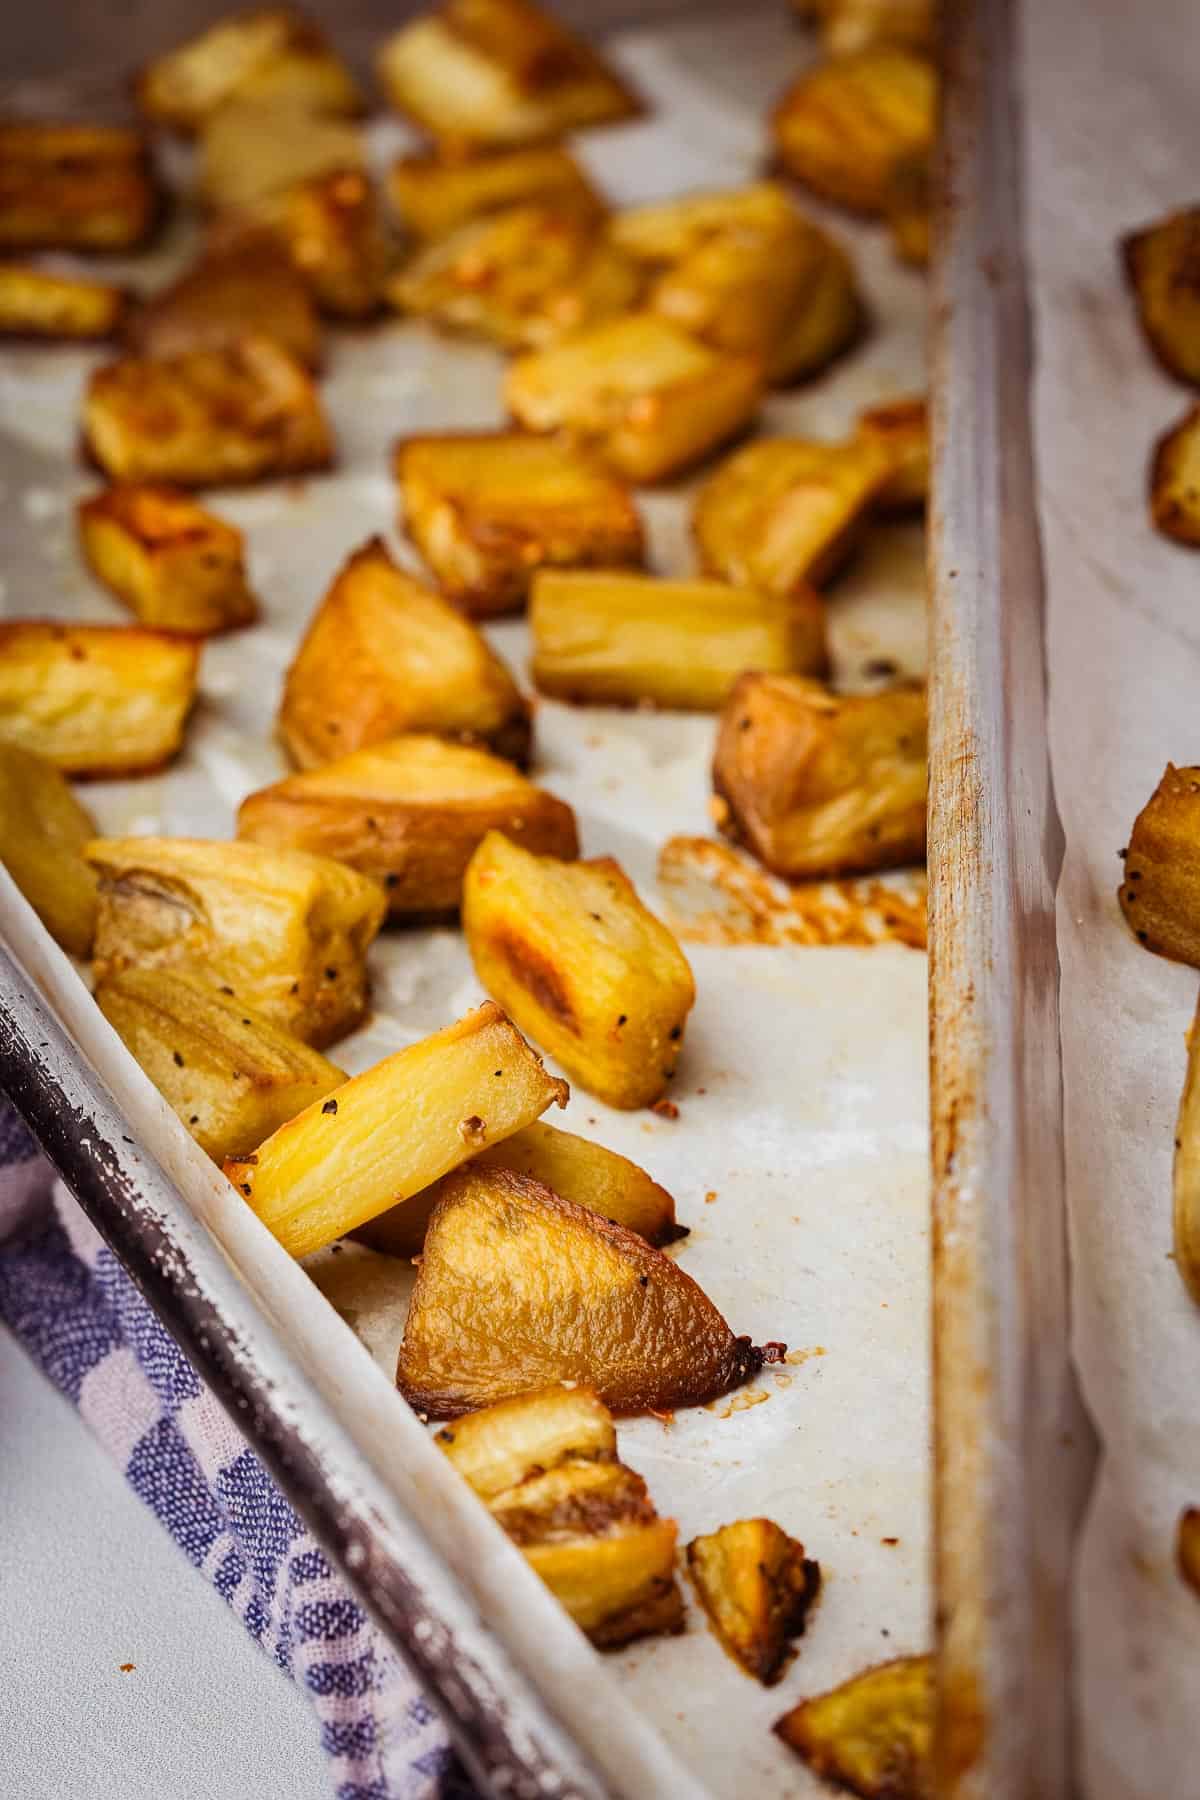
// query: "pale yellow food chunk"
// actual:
[[246, 285], [268, 53], [873, 1735], [43, 831], [173, 563], [75, 187], [850, 25], [756, 1585], [1160, 892], [250, 153], [36, 304], [434, 195], [901, 430], [842, 126], [1175, 481]]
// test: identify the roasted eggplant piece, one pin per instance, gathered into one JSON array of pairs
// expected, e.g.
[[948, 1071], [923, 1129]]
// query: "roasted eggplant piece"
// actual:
[[410, 812], [389, 1133], [207, 418], [43, 831], [782, 513], [285, 932], [517, 1288], [174, 564], [477, 72], [842, 127], [1175, 482], [644, 395], [231, 1075], [36, 304], [1187, 1547], [634, 640], [1162, 262], [384, 656], [901, 430], [546, 1467], [816, 783], [873, 1735], [570, 951], [1160, 894], [756, 1585], [433, 195], [1186, 1182], [488, 508], [96, 700], [245, 286], [75, 187], [267, 54]]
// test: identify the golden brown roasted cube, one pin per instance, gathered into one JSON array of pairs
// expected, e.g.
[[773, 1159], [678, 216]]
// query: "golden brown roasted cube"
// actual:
[[207, 418], [331, 226], [518, 1288], [173, 563], [901, 430], [1187, 1547], [783, 512], [644, 395], [816, 783], [546, 1467], [488, 508], [909, 207], [568, 949], [36, 304], [873, 1735], [843, 125], [1162, 262], [387, 1134], [635, 640], [1186, 1183], [434, 195], [247, 285], [1160, 894], [384, 656], [522, 278], [477, 72], [756, 1585], [231, 1075], [260, 56], [96, 700], [43, 830], [850, 25], [283, 931], [410, 812], [250, 153], [75, 187], [1175, 481]]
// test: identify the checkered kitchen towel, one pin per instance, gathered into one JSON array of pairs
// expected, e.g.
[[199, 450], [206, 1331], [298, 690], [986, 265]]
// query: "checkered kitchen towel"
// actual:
[[64, 1294]]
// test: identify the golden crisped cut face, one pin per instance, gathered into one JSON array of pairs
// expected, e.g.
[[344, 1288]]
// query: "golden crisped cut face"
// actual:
[[75, 187], [646, 397], [488, 509], [756, 1586], [851, 25], [873, 1735], [1175, 481], [900, 428], [250, 153], [37, 304], [479, 72], [333, 230], [258, 56], [499, 1446], [1162, 262], [1160, 893], [247, 285], [518, 1288], [570, 952], [843, 125], [174, 564], [410, 812], [384, 656], [96, 700], [1186, 1177], [43, 831], [435, 194]]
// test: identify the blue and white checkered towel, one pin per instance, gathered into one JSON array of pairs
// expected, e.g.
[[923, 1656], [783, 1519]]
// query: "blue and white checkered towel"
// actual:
[[64, 1294]]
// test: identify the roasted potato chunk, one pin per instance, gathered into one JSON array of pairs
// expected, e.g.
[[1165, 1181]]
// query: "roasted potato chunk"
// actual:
[[850, 25], [245, 286], [411, 812], [174, 564], [36, 304], [517, 1288], [756, 1585], [43, 831], [331, 226], [1175, 482], [433, 195], [635, 640], [783, 512], [207, 418], [384, 656], [546, 1466], [901, 430], [842, 127], [1162, 262], [267, 54], [1186, 1183], [873, 1735], [231, 1075], [1187, 1547], [570, 951], [1160, 894], [477, 72], [389, 1133], [909, 207], [488, 508], [75, 187], [285, 932], [251, 153], [95, 700], [644, 395], [816, 783]]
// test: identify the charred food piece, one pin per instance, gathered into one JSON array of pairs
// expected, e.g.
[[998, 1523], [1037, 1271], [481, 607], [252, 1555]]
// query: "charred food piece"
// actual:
[[756, 1585]]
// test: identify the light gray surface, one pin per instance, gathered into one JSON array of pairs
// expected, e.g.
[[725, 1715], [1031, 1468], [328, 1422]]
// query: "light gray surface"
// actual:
[[89, 1582]]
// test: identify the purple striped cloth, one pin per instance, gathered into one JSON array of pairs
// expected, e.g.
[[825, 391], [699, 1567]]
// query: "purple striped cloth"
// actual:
[[67, 1298]]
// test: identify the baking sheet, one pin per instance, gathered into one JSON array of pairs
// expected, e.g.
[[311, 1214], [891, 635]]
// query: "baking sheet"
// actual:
[[1111, 147], [801, 1093]]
